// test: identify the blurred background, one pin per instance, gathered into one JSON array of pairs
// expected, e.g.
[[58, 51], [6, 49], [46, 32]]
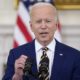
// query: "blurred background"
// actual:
[[69, 19]]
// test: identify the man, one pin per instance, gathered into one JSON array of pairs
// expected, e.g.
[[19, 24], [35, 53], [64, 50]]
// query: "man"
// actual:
[[63, 60]]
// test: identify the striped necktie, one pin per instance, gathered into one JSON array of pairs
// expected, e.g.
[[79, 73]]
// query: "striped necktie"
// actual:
[[44, 65]]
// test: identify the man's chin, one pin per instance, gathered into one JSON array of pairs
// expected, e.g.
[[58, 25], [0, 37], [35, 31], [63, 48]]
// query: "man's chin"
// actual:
[[44, 40]]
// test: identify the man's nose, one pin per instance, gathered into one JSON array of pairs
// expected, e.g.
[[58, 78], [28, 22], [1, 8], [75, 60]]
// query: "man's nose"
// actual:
[[43, 25]]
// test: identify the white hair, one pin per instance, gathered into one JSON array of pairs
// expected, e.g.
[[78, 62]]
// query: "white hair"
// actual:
[[42, 4]]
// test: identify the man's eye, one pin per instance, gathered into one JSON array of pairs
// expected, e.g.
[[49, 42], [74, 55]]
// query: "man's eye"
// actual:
[[48, 21], [39, 21]]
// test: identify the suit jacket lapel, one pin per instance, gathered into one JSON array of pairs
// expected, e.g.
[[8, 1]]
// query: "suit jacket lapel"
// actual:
[[57, 62]]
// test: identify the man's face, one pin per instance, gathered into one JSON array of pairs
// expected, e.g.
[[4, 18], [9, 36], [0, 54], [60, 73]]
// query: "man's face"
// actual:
[[43, 24]]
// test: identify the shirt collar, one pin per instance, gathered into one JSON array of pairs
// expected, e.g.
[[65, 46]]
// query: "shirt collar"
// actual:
[[51, 46], [38, 46]]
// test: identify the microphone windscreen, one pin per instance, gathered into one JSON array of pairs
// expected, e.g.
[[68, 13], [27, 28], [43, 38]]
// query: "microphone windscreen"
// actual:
[[28, 66]]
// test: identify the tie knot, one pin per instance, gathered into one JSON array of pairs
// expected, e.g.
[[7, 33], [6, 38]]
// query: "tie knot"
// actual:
[[45, 49]]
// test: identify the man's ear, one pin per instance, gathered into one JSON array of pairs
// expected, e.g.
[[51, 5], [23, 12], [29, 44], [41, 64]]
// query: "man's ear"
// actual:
[[57, 24], [31, 25]]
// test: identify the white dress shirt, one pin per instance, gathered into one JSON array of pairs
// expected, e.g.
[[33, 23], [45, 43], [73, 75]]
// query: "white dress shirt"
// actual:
[[50, 53]]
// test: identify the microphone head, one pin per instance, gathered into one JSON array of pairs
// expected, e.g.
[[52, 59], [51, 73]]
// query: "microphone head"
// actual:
[[28, 66]]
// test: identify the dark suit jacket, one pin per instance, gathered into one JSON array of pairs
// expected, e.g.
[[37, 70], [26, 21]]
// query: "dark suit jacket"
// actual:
[[66, 64]]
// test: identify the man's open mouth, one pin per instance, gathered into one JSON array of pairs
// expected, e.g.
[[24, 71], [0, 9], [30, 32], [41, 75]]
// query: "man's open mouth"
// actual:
[[43, 33]]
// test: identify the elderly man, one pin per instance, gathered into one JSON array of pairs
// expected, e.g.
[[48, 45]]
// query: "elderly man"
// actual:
[[63, 60]]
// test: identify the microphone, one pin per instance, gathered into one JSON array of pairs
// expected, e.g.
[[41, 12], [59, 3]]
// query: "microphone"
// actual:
[[43, 69], [27, 69]]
